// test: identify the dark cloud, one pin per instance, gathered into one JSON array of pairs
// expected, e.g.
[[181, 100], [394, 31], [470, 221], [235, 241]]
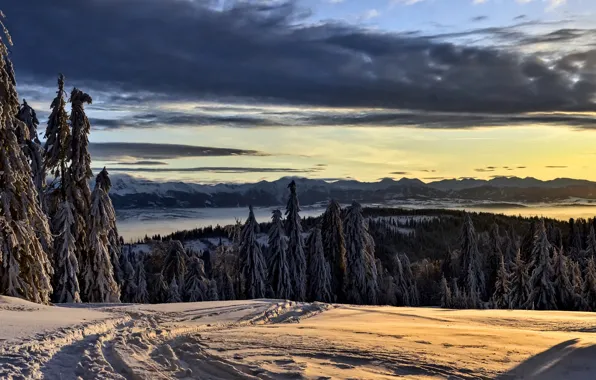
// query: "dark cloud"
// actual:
[[261, 117], [147, 162], [321, 165], [434, 178], [144, 151], [486, 169], [399, 173], [428, 170], [479, 18], [521, 167], [219, 170], [144, 50], [556, 167]]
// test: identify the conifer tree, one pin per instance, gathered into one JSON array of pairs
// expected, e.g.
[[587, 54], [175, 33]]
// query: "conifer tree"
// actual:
[[562, 281], [358, 256], [279, 270], [577, 281], [589, 288], [129, 287], [174, 264], [591, 243], [474, 280], [223, 266], [520, 283], [212, 293], [141, 293], [334, 247], [34, 151], [542, 293], [502, 291], [25, 269], [446, 300], [99, 282], [253, 267], [78, 191], [319, 272], [174, 292], [296, 255], [197, 285]]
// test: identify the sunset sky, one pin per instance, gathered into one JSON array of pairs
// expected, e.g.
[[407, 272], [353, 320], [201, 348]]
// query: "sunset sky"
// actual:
[[321, 88]]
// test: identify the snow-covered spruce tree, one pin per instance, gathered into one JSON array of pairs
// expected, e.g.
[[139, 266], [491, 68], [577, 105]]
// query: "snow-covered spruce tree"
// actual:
[[388, 290], [296, 255], [446, 299], [471, 262], [213, 293], [223, 267], [98, 274], [129, 284], [577, 281], [34, 150], [174, 263], [174, 292], [25, 269], [334, 247], [253, 267], [591, 243], [279, 270], [79, 193], [495, 251], [414, 296], [542, 293], [358, 256], [520, 283], [141, 292], [502, 289], [66, 283], [319, 272], [197, 285], [589, 288], [562, 281]]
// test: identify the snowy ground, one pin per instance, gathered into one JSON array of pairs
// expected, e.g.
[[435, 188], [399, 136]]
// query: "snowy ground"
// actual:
[[273, 339]]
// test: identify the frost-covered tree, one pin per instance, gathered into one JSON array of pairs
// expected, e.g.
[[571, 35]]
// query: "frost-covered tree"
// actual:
[[57, 145], [279, 270], [66, 283], [212, 293], [542, 294], [334, 247], [577, 282], [520, 283], [174, 292], [319, 272], [197, 284], [562, 281], [253, 267], [100, 285], [129, 285], [359, 256], [174, 263], [589, 288], [223, 267], [34, 150], [591, 243], [446, 299], [471, 262], [502, 290], [574, 241], [141, 292], [79, 193], [296, 255], [25, 269]]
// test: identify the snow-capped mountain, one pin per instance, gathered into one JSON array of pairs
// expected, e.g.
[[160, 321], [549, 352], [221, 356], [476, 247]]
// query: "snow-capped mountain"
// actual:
[[133, 192]]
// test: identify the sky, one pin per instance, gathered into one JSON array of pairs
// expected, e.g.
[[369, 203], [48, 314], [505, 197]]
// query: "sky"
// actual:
[[241, 91]]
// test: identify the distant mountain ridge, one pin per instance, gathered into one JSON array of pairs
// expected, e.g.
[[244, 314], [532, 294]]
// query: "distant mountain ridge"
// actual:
[[132, 192]]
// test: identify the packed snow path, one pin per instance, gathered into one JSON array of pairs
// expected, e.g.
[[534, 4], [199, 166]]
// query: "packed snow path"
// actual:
[[269, 339]]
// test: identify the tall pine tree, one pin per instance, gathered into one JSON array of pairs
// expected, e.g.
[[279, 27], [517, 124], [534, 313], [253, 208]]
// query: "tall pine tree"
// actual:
[[334, 246], [99, 283], [319, 272], [542, 293], [296, 255], [502, 290], [520, 283], [34, 150], [279, 270], [253, 267], [471, 262], [25, 269]]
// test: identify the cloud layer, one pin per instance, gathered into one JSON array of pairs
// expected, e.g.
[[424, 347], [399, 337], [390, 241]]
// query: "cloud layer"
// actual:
[[270, 52]]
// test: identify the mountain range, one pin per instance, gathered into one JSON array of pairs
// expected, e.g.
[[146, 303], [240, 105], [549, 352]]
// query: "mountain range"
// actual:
[[133, 192]]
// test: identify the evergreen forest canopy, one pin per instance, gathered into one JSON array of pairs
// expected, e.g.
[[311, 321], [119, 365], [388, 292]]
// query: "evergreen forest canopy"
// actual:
[[59, 240]]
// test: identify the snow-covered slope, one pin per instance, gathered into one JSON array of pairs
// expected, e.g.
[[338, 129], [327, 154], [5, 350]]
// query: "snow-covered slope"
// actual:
[[270, 339]]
